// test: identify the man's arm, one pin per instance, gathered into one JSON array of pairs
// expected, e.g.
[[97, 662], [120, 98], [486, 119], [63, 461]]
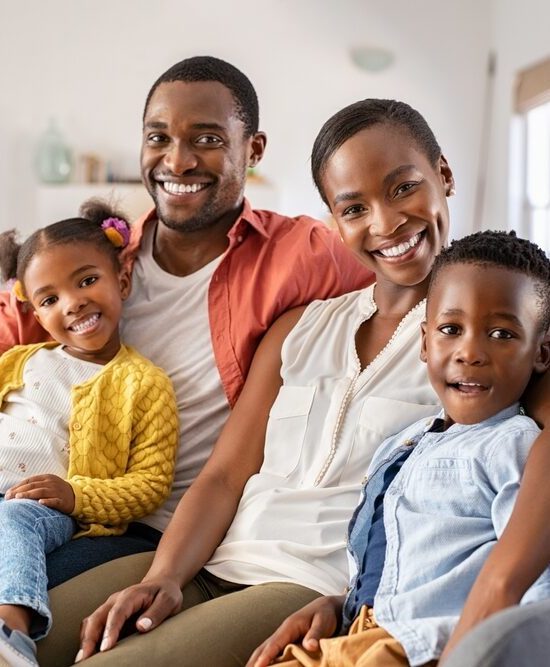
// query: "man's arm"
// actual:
[[207, 508], [336, 268], [18, 325]]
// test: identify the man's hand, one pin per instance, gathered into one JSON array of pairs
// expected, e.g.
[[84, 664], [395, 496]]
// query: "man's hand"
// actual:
[[316, 620], [157, 599], [49, 490]]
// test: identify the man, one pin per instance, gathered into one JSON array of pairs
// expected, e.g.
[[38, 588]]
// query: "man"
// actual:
[[210, 275]]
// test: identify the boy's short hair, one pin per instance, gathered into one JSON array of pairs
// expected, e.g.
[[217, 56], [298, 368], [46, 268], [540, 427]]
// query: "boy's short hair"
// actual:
[[506, 250]]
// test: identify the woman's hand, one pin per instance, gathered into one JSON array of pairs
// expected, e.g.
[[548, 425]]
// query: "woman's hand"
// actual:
[[157, 599], [316, 620], [49, 490], [536, 398]]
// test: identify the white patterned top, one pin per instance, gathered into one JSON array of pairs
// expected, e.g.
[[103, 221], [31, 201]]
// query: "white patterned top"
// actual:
[[34, 420]]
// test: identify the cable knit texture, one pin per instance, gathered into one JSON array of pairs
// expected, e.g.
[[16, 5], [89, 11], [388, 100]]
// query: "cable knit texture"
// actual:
[[123, 437]]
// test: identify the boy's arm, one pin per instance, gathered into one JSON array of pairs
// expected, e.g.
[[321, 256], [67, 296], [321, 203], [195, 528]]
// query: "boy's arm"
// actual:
[[317, 620], [148, 478], [522, 551]]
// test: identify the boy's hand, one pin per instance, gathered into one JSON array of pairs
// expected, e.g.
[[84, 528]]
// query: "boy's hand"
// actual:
[[316, 620], [49, 490]]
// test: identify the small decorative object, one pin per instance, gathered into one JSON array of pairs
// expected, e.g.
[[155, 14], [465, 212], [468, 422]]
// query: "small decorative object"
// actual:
[[371, 58], [53, 157]]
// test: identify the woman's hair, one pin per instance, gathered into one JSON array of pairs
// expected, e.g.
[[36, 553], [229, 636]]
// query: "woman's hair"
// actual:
[[505, 250], [15, 258], [362, 115]]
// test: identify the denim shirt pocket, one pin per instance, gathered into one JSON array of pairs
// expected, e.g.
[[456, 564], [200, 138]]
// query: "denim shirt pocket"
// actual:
[[286, 429], [446, 469], [451, 483]]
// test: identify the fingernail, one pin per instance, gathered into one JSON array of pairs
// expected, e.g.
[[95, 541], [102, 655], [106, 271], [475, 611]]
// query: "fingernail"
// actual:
[[104, 644], [145, 623], [79, 656]]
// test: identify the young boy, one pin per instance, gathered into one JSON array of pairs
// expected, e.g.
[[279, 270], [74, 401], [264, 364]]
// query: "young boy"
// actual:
[[438, 495]]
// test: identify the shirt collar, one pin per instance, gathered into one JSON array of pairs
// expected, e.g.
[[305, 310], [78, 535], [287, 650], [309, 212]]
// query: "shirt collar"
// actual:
[[507, 413], [247, 217]]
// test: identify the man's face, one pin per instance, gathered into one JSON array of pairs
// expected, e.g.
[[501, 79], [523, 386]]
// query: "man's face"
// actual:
[[194, 154], [482, 339]]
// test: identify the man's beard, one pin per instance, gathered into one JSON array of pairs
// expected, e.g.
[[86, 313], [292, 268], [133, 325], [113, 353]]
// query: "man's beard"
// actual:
[[204, 219]]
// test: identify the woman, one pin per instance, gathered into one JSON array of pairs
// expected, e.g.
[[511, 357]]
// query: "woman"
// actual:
[[350, 374]]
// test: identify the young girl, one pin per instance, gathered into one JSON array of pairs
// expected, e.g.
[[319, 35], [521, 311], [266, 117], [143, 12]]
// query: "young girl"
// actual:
[[88, 426]]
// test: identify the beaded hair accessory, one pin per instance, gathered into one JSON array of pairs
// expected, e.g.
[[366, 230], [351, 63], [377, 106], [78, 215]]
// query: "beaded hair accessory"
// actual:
[[19, 292], [117, 231]]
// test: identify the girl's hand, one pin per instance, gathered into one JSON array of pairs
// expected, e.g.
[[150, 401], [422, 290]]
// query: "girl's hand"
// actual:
[[316, 620], [157, 599], [49, 490]]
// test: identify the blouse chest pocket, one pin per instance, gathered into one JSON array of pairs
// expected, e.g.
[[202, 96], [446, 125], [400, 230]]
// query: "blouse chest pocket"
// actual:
[[387, 416], [378, 419], [286, 430]]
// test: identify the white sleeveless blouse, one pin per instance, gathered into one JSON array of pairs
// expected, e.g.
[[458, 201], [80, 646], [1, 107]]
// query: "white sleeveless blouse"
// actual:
[[323, 429]]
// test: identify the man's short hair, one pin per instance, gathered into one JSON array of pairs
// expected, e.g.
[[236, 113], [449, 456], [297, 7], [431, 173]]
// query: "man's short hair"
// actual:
[[208, 68]]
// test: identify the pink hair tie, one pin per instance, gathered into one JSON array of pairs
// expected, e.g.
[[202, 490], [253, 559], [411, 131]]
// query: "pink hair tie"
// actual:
[[117, 231]]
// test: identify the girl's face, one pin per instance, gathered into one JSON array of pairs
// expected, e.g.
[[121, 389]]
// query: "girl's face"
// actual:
[[390, 203], [77, 295]]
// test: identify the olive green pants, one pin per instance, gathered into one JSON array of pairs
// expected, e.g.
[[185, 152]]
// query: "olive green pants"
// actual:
[[220, 623]]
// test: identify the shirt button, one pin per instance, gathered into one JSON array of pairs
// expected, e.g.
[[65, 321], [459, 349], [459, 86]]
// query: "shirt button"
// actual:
[[76, 426]]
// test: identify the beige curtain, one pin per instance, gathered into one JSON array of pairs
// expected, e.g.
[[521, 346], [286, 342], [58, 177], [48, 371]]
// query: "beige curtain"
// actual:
[[533, 86]]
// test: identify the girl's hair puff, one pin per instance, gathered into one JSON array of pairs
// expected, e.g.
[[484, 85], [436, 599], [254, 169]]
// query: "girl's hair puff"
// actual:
[[15, 258]]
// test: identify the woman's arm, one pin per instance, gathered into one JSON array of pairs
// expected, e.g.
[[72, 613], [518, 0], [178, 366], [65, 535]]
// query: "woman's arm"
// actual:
[[523, 551], [206, 510]]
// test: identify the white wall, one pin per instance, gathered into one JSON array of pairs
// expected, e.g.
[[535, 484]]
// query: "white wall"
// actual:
[[520, 38], [90, 64]]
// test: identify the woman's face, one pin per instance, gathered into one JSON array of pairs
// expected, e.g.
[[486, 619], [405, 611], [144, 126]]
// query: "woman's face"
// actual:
[[390, 203]]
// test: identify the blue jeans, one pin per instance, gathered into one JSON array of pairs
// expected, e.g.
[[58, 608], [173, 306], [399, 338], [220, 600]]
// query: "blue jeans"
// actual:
[[83, 554], [28, 531]]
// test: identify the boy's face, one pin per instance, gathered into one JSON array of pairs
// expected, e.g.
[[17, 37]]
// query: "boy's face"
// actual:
[[481, 340]]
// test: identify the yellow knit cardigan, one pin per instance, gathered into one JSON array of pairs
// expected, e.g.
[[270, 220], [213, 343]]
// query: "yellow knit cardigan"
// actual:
[[123, 437]]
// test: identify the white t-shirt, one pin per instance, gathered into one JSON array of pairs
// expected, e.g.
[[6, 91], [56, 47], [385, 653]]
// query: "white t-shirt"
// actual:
[[323, 429], [34, 420], [166, 319]]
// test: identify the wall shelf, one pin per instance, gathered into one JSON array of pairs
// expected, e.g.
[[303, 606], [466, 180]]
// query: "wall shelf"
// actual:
[[58, 201]]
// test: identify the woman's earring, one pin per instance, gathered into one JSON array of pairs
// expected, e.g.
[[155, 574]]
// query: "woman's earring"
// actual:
[[451, 191]]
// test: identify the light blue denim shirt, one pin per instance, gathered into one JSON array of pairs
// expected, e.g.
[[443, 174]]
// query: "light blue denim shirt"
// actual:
[[443, 513]]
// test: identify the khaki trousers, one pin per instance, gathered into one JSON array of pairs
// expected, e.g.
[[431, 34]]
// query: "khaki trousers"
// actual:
[[220, 624], [365, 645]]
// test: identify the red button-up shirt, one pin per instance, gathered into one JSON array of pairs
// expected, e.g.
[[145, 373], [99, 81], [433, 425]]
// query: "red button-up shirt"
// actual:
[[273, 263]]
